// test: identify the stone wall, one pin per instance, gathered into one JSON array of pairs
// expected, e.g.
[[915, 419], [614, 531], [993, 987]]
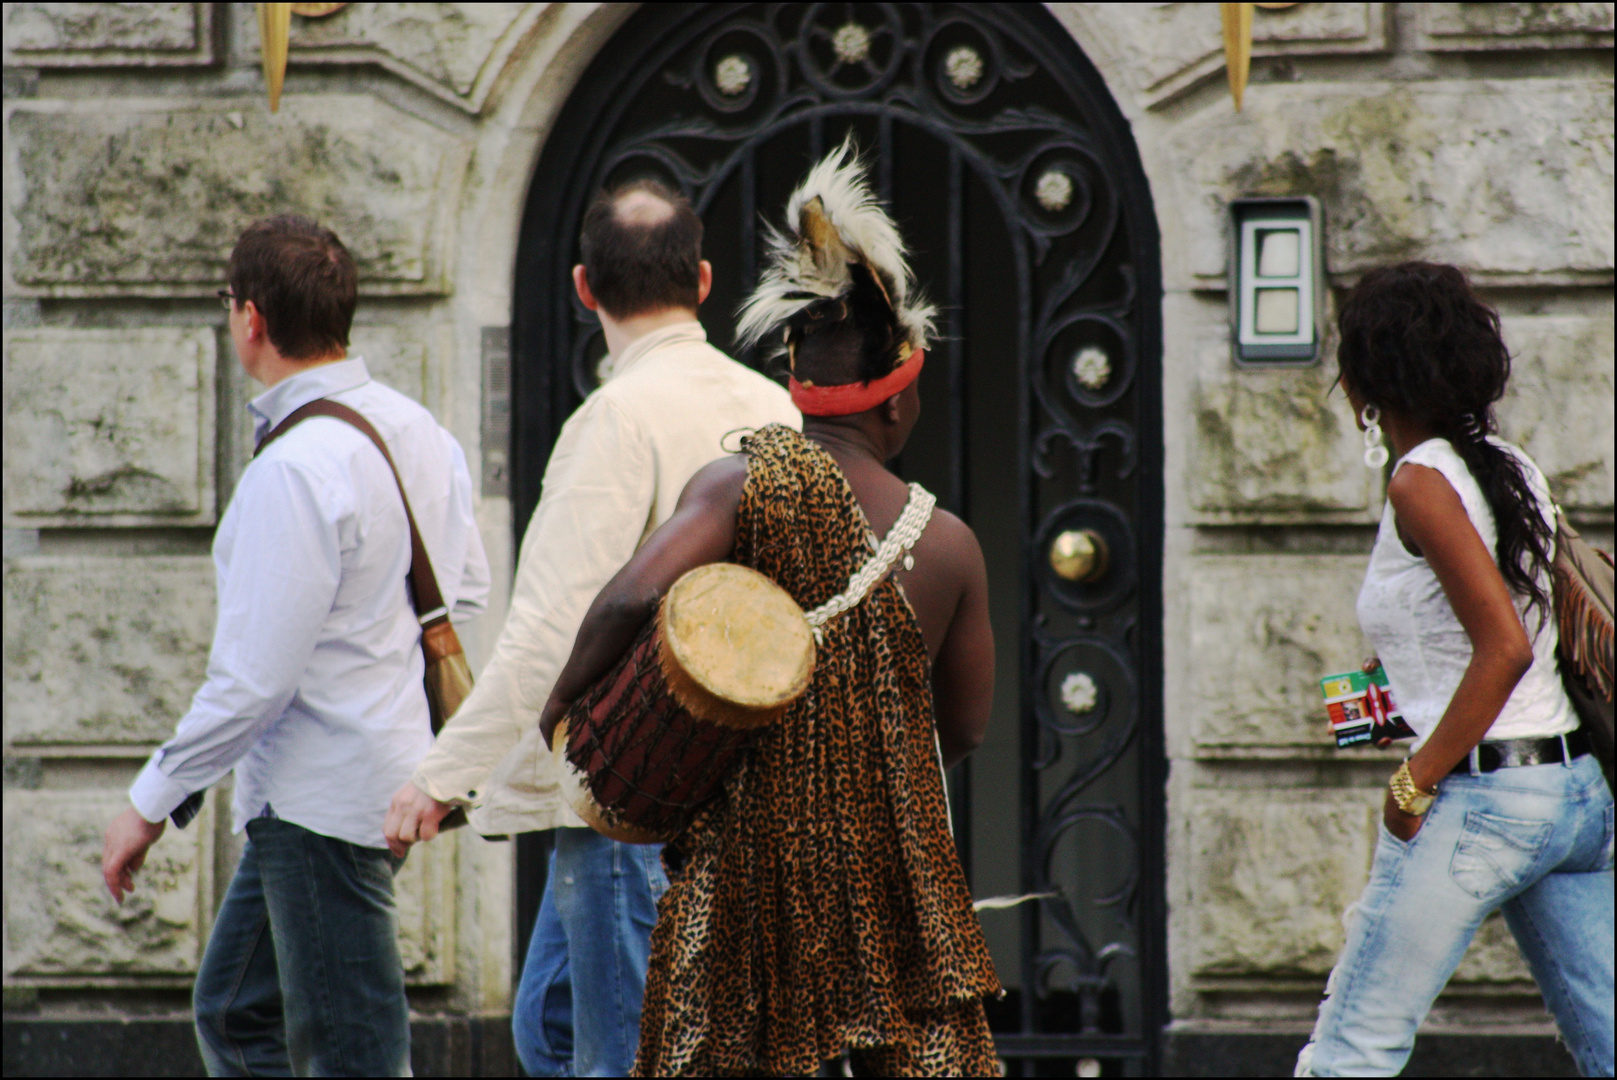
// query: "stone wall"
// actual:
[[137, 142]]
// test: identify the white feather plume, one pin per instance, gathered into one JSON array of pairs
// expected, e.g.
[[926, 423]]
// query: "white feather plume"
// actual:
[[805, 268]]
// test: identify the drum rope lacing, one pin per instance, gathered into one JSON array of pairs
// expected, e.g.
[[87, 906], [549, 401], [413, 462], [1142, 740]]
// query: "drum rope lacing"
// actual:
[[900, 539]]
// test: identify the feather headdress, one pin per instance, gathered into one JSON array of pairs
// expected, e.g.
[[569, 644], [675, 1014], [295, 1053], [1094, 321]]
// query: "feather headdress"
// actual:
[[839, 244]]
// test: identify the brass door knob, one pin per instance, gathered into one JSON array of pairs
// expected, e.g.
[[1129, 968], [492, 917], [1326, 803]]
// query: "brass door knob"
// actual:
[[1079, 555]]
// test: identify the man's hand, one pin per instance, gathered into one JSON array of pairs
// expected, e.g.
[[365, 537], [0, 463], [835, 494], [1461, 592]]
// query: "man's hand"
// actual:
[[414, 815], [123, 851], [1403, 826]]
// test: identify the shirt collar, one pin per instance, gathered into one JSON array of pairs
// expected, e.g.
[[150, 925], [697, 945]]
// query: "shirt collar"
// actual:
[[681, 333], [281, 400]]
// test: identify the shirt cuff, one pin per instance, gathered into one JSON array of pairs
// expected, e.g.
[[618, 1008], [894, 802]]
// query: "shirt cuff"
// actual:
[[155, 794], [467, 796]]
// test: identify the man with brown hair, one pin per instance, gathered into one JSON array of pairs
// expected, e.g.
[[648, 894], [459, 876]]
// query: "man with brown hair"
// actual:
[[667, 400], [314, 692]]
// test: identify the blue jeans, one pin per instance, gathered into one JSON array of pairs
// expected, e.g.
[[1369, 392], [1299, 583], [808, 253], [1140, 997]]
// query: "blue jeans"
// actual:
[[578, 1006], [1535, 840], [302, 975]]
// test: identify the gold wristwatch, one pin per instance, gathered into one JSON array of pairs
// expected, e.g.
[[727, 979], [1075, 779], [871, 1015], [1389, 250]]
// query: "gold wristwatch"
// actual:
[[1410, 799]]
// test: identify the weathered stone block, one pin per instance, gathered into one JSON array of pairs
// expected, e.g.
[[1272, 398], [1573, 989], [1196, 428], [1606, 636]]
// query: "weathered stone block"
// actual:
[[1172, 47], [95, 187], [1263, 632], [1559, 407], [1506, 178], [452, 50], [1270, 874], [109, 427], [1275, 445], [424, 893], [395, 357], [1271, 877], [106, 35], [1280, 445], [103, 650], [60, 921], [1514, 26]]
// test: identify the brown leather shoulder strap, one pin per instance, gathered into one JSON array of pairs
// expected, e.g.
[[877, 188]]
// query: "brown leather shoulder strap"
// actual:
[[429, 602]]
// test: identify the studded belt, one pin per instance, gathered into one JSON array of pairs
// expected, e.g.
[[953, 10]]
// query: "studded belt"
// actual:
[[1487, 757]]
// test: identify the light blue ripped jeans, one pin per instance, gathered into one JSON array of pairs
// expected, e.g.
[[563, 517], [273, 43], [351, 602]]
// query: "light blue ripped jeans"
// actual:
[[1535, 840], [577, 1011]]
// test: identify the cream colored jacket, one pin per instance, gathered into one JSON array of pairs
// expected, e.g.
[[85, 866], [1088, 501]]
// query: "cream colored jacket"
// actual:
[[615, 474]]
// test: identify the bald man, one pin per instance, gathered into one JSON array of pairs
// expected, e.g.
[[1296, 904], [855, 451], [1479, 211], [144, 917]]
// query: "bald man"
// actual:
[[665, 402]]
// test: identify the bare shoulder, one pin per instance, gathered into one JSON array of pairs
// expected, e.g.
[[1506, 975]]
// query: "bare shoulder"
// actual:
[[948, 528], [952, 543], [1419, 490], [1428, 512], [718, 482]]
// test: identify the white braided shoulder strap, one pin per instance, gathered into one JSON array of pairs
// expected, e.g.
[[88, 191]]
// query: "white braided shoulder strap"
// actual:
[[900, 539]]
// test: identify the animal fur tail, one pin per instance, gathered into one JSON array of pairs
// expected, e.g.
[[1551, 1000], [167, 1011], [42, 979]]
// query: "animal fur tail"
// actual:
[[836, 230]]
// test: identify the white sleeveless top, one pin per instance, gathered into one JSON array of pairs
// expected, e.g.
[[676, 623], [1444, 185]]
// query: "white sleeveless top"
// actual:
[[1407, 617]]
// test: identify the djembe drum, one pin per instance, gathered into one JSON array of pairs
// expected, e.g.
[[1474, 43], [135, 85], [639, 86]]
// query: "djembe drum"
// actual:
[[728, 652]]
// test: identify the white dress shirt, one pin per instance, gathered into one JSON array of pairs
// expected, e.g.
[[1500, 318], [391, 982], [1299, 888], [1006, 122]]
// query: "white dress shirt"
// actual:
[[314, 690], [616, 473]]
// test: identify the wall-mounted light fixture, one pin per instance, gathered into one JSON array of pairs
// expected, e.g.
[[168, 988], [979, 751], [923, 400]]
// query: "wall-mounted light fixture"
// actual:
[[1277, 280]]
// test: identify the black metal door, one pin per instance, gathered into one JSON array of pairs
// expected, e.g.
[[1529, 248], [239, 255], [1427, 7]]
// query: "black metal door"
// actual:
[[1017, 183]]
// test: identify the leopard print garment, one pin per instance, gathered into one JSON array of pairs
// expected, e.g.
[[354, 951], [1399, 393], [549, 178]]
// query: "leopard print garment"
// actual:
[[817, 905]]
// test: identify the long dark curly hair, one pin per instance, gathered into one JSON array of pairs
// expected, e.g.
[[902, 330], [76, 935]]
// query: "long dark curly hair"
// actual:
[[1417, 340]]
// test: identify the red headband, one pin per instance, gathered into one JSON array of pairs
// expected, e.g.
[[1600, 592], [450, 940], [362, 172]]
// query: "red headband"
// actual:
[[853, 398]]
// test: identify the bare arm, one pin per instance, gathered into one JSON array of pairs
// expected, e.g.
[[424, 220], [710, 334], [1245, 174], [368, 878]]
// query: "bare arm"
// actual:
[[701, 531], [1433, 524], [963, 673]]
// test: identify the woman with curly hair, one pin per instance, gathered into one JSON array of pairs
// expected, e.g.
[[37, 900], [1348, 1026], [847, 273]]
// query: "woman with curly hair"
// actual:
[[1501, 804]]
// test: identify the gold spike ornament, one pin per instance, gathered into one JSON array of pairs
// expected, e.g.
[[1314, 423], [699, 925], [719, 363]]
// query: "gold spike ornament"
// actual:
[[274, 28], [1237, 47], [1238, 44]]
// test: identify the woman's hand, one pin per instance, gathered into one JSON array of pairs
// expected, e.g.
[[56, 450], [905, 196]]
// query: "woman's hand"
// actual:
[[1370, 667], [1403, 826]]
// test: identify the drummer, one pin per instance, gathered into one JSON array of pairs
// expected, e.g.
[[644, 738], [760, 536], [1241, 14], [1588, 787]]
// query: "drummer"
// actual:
[[817, 906]]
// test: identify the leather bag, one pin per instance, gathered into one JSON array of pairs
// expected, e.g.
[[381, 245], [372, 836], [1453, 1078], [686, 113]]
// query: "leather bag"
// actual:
[[1583, 588]]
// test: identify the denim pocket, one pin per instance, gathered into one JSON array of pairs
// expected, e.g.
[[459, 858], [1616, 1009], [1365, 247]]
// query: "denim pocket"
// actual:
[[1392, 843], [374, 867], [1496, 854]]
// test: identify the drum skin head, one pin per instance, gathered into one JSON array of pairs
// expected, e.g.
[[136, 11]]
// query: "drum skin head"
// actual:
[[739, 636]]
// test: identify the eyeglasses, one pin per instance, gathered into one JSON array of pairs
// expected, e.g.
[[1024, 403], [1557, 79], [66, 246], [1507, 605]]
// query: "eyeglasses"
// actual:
[[227, 298]]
